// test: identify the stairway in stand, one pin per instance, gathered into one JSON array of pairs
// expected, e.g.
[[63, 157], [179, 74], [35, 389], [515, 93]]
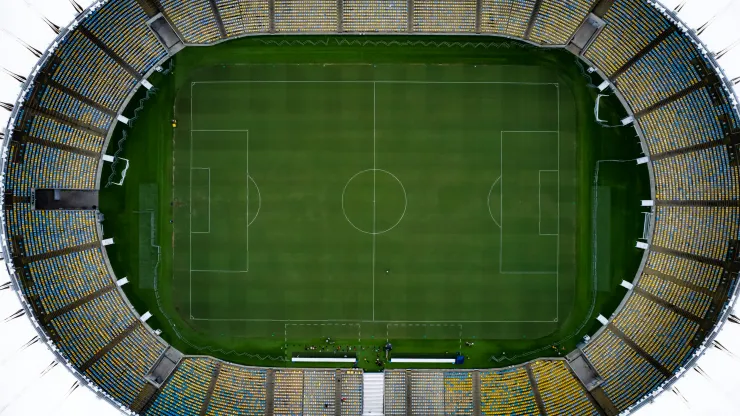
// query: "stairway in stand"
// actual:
[[372, 392]]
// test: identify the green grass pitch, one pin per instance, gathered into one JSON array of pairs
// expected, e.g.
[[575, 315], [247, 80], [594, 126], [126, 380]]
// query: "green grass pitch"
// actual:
[[414, 200]]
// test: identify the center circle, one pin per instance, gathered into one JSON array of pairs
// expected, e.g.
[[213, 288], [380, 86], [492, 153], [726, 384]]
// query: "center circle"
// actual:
[[374, 201]]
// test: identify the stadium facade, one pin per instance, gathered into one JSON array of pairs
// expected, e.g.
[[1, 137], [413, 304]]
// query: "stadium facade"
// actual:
[[683, 107]]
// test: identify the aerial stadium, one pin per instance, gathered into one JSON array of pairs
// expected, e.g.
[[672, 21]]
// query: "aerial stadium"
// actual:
[[381, 207]]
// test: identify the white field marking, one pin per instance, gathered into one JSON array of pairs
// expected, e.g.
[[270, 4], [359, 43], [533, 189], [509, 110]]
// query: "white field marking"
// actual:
[[190, 204], [366, 321], [489, 200], [557, 247], [501, 234], [374, 203], [539, 203], [209, 202], [370, 81], [405, 197], [223, 131], [249, 178], [248, 222]]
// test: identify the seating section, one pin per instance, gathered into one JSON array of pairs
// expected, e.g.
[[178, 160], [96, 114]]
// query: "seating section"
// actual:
[[375, 15], [630, 26], [241, 17], [458, 398], [561, 393], [194, 19], [427, 393], [46, 128], [351, 403], [703, 231], [136, 353], [53, 99], [558, 20], [45, 231], [83, 62], [64, 279], [49, 167], [294, 16], [627, 375], [700, 274], [288, 395], [688, 121], [661, 332], [186, 389], [704, 174], [660, 73], [506, 17], [239, 391], [445, 16], [121, 26], [693, 302], [319, 392], [507, 392], [91, 326], [394, 400]]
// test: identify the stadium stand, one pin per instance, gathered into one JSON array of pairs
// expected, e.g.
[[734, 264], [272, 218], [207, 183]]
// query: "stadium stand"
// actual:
[[700, 175], [427, 393], [69, 277], [630, 26], [446, 16], [48, 167], [688, 121], [242, 17], [627, 375], [560, 391], [84, 62], [47, 128], [557, 20], [394, 402], [55, 100], [375, 15], [136, 353], [71, 105], [319, 392], [506, 392], [458, 397], [288, 394], [80, 340], [506, 17], [689, 300], [46, 231], [306, 16], [186, 390], [662, 333], [351, 397], [703, 231], [690, 271], [665, 70], [194, 19], [122, 27], [239, 390]]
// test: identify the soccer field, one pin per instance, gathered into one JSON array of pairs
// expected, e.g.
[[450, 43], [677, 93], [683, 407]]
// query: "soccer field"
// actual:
[[402, 201]]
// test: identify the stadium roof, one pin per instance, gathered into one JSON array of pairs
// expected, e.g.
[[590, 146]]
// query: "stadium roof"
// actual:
[[32, 382]]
